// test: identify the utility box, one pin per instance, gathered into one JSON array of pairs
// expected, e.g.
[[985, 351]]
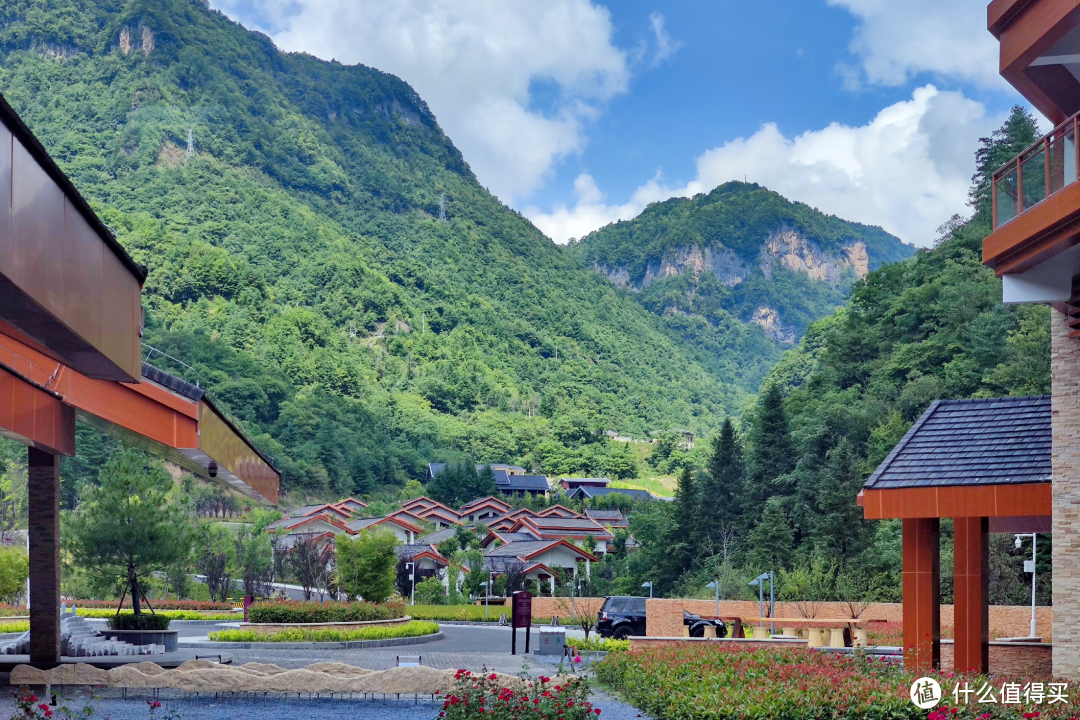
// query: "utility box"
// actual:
[[552, 641]]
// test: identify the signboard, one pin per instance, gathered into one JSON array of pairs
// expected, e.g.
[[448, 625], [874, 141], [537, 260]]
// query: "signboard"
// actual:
[[520, 616], [522, 609]]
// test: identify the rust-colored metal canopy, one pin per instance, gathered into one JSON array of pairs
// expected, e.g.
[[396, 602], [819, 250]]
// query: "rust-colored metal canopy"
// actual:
[[67, 287], [161, 414]]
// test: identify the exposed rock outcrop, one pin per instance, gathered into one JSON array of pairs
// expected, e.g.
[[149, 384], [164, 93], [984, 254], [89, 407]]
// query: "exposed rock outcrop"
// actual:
[[769, 319], [719, 260], [791, 249]]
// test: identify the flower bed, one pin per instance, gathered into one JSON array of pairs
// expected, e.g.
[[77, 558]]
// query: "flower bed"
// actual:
[[159, 604], [171, 614], [724, 681], [480, 696], [295, 611], [415, 628]]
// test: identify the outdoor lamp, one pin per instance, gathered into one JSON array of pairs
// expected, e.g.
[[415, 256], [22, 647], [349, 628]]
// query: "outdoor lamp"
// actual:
[[648, 585]]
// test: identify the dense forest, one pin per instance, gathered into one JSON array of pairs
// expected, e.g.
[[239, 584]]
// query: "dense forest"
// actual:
[[735, 261], [781, 493], [324, 262]]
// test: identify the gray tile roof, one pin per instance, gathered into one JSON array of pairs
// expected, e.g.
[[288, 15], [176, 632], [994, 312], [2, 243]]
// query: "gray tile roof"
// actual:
[[437, 537], [972, 442], [520, 549], [590, 492]]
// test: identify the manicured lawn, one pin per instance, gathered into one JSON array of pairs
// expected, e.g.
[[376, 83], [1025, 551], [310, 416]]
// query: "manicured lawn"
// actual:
[[414, 628], [722, 681], [663, 486]]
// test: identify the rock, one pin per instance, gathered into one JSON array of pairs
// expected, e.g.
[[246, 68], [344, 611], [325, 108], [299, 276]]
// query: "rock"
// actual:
[[196, 665], [335, 668], [78, 674], [26, 675], [264, 668]]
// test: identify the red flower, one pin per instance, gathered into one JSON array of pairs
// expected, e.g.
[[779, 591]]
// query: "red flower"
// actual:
[[493, 676], [596, 710]]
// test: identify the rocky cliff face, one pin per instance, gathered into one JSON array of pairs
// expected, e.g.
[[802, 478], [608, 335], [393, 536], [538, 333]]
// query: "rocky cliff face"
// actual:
[[786, 247], [769, 320]]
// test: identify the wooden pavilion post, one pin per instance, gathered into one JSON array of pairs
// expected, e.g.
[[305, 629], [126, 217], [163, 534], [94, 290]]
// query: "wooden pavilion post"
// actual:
[[922, 593], [972, 594]]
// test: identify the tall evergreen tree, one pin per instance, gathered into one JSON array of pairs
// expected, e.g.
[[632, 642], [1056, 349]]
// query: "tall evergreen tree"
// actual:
[[772, 539], [683, 535], [1005, 143], [771, 455], [721, 488], [840, 531]]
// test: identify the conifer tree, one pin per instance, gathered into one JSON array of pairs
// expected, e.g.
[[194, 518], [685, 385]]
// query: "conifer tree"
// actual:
[[683, 537], [721, 487], [839, 530], [771, 454], [772, 539]]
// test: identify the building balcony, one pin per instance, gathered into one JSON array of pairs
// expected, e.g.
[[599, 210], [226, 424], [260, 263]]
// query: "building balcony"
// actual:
[[1036, 219]]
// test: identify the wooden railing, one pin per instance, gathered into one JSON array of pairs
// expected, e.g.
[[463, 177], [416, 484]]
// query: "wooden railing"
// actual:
[[1038, 172]]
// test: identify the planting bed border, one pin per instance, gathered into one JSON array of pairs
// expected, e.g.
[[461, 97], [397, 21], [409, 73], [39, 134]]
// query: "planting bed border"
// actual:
[[189, 643]]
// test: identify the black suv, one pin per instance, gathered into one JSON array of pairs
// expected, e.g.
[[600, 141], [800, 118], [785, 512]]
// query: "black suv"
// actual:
[[621, 617]]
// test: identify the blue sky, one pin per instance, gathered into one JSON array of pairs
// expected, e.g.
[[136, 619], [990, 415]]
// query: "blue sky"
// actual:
[[579, 112]]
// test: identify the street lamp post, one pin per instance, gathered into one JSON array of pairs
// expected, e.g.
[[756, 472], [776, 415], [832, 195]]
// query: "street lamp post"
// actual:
[[648, 585], [412, 581], [1029, 567], [757, 582], [486, 594], [717, 586]]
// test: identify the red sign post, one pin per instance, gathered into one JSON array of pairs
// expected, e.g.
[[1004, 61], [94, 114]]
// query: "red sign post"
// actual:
[[520, 616]]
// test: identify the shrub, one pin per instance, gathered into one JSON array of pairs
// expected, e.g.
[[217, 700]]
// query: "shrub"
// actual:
[[159, 604], [14, 626], [171, 614], [296, 611], [480, 695], [464, 613], [14, 569], [143, 621], [600, 644], [413, 628], [431, 592]]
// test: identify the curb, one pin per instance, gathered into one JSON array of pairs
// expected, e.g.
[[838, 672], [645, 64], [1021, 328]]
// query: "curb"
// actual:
[[350, 645]]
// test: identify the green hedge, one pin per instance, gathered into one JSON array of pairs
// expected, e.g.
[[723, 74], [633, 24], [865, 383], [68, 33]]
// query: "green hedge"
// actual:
[[14, 626], [413, 628], [171, 614], [295, 611], [469, 613], [144, 621]]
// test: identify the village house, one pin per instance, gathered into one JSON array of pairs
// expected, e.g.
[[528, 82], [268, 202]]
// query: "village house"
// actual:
[[536, 559]]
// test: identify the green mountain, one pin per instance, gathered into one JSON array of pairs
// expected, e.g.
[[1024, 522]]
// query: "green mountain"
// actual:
[[324, 262], [740, 254]]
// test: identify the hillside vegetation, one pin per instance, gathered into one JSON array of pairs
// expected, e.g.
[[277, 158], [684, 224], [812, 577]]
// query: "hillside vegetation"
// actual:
[[326, 263], [738, 262]]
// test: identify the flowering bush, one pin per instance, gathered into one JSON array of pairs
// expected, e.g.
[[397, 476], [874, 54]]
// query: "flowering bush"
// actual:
[[29, 707], [476, 695], [160, 604], [296, 611], [724, 681]]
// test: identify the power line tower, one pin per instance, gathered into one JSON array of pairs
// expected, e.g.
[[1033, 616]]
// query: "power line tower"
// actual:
[[190, 143], [442, 207]]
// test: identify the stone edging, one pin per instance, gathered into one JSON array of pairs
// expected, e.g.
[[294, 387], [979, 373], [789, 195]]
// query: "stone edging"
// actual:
[[187, 643]]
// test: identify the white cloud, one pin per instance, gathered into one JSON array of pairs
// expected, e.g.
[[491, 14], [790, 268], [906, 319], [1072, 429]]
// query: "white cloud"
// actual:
[[476, 63], [665, 45], [896, 41], [907, 170]]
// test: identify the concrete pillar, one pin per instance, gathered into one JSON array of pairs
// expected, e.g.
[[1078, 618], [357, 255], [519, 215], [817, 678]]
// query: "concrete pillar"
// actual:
[[44, 508], [1065, 425], [972, 594], [922, 593]]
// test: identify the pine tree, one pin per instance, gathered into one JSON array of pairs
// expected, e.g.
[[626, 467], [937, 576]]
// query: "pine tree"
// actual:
[[772, 539], [771, 454], [721, 487], [839, 530], [683, 536], [1005, 143]]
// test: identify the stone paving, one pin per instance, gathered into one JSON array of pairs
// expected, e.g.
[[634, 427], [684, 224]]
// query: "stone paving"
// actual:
[[383, 659]]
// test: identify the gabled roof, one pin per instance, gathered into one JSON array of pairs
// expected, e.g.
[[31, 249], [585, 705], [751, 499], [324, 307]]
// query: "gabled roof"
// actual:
[[407, 516], [289, 524], [439, 536], [559, 511], [421, 501], [609, 518], [365, 523], [436, 468], [507, 537], [590, 492], [323, 508], [516, 483], [420, 550], [527, 550], [448, 515], [562, 527], [992, 441], [510, 516], [350, 504], [490, 500]]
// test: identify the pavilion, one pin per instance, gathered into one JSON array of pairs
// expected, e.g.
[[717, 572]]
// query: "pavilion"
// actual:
[[987, 465], [71, 321]]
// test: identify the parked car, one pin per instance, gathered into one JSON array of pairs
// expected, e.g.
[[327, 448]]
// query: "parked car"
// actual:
[[621, 617], [698, 624]]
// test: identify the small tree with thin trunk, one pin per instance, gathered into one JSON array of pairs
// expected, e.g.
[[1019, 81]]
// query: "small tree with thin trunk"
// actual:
[[309, 563], [132, 524]]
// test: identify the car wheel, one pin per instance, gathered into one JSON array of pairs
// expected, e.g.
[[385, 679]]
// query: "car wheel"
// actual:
[[621, 633], [697, 631], [721, 630]]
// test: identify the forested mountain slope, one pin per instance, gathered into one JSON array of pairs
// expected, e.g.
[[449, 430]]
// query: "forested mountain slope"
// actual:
[[740, 254], [323, 258]]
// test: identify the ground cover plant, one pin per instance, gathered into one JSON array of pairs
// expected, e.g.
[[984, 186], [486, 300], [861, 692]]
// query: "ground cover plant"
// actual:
[[296, 611], [413, 628], [477, 695], [171, 614], [465, 613], [599, 644], [721, 681], [14, 626]]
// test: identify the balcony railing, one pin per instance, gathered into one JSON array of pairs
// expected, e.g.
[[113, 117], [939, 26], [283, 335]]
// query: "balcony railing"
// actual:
[[1037, 173]]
